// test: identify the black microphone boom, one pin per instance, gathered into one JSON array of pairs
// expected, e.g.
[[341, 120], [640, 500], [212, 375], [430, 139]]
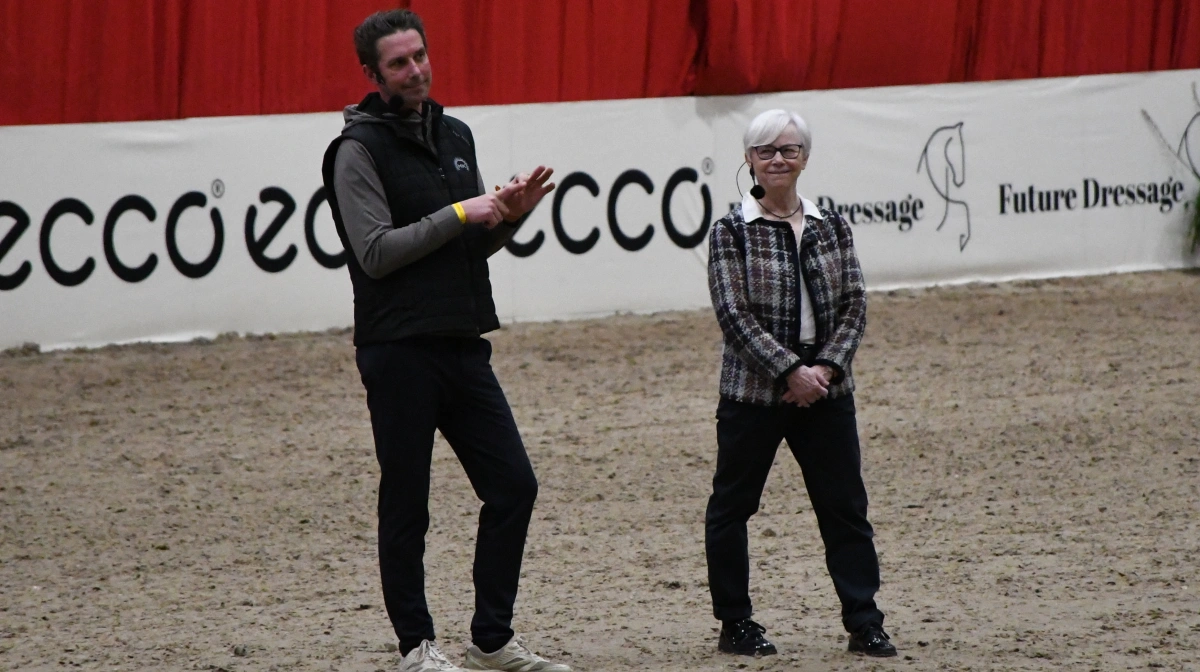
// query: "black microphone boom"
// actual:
[[756, 191]]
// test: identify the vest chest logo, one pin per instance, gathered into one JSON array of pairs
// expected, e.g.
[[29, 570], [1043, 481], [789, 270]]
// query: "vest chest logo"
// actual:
[[461, 163]]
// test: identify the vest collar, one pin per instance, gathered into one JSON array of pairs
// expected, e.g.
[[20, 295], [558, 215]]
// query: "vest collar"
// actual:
[[375, 106]]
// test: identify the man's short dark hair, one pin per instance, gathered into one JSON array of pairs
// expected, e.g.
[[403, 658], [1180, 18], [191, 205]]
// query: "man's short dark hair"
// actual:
[[379, 25]]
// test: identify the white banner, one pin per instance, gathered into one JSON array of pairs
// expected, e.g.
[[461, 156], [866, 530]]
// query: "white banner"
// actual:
[[178, 229]]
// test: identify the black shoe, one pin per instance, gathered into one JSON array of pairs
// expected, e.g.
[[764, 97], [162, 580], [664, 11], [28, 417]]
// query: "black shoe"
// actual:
[[872, 641], [744, 637]]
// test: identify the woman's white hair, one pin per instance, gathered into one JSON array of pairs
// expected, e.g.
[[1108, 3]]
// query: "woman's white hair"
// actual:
[[768, 125]]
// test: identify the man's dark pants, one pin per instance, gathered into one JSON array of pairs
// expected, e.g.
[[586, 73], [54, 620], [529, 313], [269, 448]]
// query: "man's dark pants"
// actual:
[[415, 386], [824, 440]]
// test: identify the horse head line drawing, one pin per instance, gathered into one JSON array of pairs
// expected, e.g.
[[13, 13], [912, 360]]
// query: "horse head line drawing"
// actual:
[[952, 172], [1183, 151]]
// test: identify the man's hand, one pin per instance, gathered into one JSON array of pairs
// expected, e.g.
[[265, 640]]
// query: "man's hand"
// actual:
[[533, 187], [806, 385], [490, 209]]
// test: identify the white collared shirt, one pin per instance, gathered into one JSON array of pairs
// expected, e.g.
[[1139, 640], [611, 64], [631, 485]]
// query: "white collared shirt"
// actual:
[[751, 211]]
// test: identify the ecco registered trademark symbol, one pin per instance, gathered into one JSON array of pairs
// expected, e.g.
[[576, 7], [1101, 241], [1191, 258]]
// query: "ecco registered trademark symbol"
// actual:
[[706, 166], [218, 188]]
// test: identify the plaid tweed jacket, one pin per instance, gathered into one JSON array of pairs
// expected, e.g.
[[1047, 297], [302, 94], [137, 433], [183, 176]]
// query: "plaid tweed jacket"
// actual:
[[754, 283]]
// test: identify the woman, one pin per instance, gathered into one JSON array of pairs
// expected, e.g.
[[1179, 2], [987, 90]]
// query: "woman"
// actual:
[[789, 297]]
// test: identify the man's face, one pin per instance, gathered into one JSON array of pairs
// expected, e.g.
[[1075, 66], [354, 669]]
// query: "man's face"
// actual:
[[403, 68]]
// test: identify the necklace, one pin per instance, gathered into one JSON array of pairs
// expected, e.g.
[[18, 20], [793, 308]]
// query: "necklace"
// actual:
[[781, 217]]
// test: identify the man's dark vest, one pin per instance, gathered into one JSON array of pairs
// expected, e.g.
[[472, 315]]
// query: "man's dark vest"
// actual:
[[446, 292]]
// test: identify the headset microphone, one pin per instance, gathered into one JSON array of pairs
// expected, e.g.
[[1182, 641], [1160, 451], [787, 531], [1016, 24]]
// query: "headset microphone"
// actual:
[[757, 190]]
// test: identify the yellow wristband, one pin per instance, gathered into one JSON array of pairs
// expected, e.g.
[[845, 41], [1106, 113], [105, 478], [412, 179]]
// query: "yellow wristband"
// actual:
[[462, 214]]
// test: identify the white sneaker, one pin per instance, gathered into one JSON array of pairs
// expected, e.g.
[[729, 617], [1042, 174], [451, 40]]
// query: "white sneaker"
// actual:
[[427, 658], [514, 657]]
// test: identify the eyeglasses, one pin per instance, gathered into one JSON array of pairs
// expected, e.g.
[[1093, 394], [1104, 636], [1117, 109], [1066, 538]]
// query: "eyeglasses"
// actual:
[[767, 152]]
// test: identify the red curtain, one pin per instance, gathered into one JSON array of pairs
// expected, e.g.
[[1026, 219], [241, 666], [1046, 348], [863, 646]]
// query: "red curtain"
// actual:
[[123, 60], [486, 53], [80, 60], [1014, 38], [116, 60], [783, 45], [271, 56], [778, 45]]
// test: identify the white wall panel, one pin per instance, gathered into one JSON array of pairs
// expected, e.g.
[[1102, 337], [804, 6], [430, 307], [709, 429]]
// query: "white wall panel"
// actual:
[[955, 161]]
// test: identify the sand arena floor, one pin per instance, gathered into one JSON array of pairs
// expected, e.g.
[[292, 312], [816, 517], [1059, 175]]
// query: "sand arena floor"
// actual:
[[1032, 451]]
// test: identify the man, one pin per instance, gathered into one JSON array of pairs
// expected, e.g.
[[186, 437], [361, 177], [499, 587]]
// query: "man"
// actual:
[[409, 203]]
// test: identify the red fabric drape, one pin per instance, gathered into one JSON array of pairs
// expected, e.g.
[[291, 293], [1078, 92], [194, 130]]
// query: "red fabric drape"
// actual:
[[80, 60], [116, 60], [780, 45], [124, 60], [486, 53], [1044, 38], [271, 56]]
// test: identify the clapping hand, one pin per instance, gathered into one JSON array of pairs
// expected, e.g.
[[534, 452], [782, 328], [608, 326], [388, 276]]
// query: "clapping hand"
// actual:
[[491, 209], [525, 191]]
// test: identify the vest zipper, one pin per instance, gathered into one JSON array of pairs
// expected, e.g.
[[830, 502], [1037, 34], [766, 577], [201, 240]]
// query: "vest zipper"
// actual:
[[466, 250], [466, 254]]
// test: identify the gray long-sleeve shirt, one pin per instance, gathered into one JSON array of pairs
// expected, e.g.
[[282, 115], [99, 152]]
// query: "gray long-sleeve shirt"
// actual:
[[379, 246]]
